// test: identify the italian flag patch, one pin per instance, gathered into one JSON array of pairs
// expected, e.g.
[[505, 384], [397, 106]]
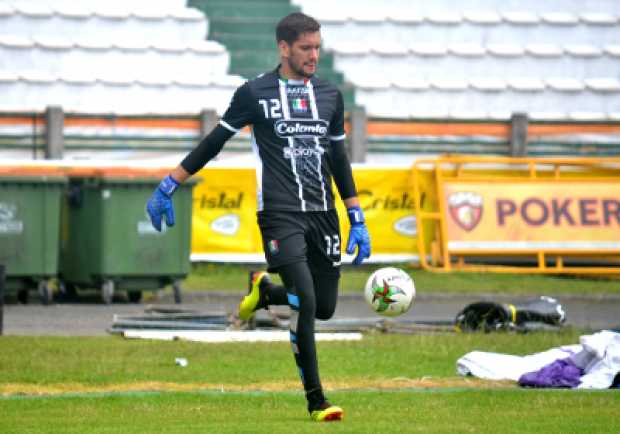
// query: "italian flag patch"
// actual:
[[300, 104]]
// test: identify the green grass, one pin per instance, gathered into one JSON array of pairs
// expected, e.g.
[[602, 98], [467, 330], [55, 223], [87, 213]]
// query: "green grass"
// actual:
[[106, 387], [220, 277], [414, 411], [112, 360]]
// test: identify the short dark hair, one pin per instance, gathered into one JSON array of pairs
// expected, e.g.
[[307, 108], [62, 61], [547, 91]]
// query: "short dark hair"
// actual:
[[294, 25]]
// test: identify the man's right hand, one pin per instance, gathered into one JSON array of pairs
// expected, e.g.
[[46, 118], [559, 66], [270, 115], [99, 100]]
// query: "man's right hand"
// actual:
[[160, 203]]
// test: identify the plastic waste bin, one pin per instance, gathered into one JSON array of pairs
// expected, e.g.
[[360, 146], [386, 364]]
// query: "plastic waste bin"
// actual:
[[108, 241], [30, 203]]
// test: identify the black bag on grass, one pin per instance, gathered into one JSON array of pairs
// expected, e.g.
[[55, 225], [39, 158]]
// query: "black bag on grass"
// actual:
[[489, 316]]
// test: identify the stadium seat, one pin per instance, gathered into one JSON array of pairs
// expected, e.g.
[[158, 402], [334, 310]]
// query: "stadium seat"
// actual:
[[56, 55], [485, 84], [565, 84], [559, 18], [368, 16], [483, 17], [449, 84], [607, 85], [120, 94], [407, 82], [612, 50], [112, 23], [467, 50], [544, 50], [33, 9], [582, 50]]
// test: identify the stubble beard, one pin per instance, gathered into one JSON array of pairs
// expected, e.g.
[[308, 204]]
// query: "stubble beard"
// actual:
[[298, 70]]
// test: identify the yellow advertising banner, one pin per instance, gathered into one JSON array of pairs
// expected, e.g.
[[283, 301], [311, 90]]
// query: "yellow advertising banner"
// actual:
[[558, 216], [224, 214], [387, 200]]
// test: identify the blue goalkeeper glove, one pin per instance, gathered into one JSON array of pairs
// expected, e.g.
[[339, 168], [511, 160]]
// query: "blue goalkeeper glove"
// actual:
[[160, 203], [358, 235]]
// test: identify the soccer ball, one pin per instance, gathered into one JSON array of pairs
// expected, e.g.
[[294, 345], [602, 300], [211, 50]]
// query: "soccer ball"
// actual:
[[390, 291]]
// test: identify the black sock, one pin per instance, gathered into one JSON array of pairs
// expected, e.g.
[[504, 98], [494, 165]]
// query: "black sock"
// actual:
[[315, 398], [275, 295]]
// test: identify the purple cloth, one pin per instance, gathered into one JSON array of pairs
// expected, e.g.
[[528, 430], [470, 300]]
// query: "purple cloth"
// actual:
[[561, 373]]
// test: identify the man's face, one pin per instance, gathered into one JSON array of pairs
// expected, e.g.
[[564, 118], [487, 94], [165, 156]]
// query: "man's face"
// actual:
[[302, 56]]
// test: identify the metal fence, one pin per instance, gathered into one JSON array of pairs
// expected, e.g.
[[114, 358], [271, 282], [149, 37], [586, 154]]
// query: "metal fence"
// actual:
[[53, 134]]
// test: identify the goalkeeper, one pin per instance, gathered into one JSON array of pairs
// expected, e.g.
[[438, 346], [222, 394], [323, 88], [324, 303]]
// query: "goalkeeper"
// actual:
[[297, 124]]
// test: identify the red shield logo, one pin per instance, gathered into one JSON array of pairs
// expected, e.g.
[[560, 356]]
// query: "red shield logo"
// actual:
[[466, 209]]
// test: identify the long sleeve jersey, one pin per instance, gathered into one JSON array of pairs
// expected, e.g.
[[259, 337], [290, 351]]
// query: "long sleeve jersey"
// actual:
[[298, 137]]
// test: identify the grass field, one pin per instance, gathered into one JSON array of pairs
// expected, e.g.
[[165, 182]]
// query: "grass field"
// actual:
[[386, 383], [234, 278], [395, 411]]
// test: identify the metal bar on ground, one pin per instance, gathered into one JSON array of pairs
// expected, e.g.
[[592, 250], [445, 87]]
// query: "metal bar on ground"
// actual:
[[177, 325], [233, 336]]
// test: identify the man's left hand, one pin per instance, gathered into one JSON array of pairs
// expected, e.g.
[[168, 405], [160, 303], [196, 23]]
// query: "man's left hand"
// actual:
[[358, 235]]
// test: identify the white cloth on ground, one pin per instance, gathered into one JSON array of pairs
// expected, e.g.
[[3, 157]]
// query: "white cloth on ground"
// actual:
[[600, 359], [496, 366], [597, 354]]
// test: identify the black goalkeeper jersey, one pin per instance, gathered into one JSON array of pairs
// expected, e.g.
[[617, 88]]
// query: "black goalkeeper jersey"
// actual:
[[298, 138]]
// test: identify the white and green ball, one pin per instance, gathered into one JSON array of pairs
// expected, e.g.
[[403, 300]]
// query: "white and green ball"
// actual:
[[390, 291]]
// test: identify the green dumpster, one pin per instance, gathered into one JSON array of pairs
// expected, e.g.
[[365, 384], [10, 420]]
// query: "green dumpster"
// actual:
[[30, 206], [108, 242]]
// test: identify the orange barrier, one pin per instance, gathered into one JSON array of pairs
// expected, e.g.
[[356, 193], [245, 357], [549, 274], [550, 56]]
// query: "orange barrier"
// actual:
[[85, 171], [30, 171], [547, 211], [375, 127]]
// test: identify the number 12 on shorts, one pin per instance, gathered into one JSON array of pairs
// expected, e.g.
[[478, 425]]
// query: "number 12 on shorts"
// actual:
[[332, 244]]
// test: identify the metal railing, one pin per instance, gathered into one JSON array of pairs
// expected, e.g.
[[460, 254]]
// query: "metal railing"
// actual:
[[458, 237], [41, 135]]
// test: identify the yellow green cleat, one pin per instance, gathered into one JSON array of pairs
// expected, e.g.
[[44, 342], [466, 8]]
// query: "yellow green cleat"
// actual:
[[327, 413], [254, 300]]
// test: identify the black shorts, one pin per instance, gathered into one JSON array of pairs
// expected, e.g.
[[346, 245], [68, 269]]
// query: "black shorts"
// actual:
[[290, 237]]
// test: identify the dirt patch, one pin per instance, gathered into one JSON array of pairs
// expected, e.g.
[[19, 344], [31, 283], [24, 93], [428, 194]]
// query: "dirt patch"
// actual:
[[12, 389]]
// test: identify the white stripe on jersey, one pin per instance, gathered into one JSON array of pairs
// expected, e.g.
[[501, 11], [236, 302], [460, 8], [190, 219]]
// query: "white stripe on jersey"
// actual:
[[259, 173], [228, 126], [317, 146], [291, 142], [337, 138]]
